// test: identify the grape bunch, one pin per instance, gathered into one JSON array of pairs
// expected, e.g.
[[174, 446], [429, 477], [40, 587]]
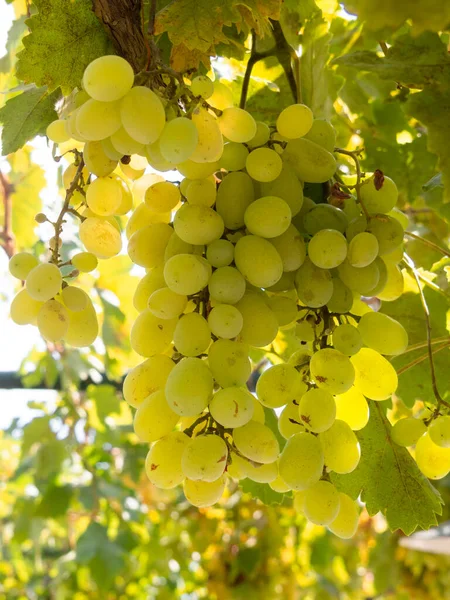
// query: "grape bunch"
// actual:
[[236, 256]]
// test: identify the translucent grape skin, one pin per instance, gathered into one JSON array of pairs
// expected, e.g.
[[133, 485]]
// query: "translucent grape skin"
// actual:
[[204, 493], [232, 407], [21, 264], [258, 261], [321, 503], [43, 282], [332, 371], [406, 432], [278, 385], [189, 387], [340, 448], [163, 461], [53, 321], [268, 217], [317, 410], [346, 522], [257, 442], [108, 78], [439, 431], [375, 377], [327, 249], [347, 339], [295, 121], [352, 408], [301, 462], [383, 333], [432, 460], [154, 418], [146, 378], [204, 458]]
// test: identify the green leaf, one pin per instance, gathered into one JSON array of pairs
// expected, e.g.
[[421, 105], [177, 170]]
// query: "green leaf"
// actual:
[[26, 116], [106, 400], [104, 557], [413, 61], [49, 458], [37, 430], [389, 480], [15, 33], [263, 492], [272, 423], [65, 37], [55, 502], [432, 107]]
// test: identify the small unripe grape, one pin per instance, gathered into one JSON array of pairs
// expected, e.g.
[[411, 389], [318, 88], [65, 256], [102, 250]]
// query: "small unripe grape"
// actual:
[[40, 218], [202, 86], [406, 432], [439, 431]]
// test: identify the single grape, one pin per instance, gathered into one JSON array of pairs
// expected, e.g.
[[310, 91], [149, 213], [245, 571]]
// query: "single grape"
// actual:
[[96, 159], [232, 407], [225, 321], [21, 264], [198, 224], [263, 473], [162, 196], [341, 300], [314, 285], [363, 249], [204, 458], [176, 245], [189, 387], [220, 253], [439, 431], [194, 170], [108, 78], [394, 285], [375, 377], [432, 460], [261, 136], [340, 448], [257, 442], [322, 133], [192, 335], [204, 493], [97, 120], [388, 232], [287, 187], [222, 96], [268, 217], [100, 237], [295, 121], [322, 502], [383, 333], [360, 279], [278, 385], [301, 462], [146, 378], [346, 522], [58, 132], [143, 216], [310, 162], [226, 285], [44, 281], [285, 310], [142, 115], [238, 467], [104, 196], [178, 140], [237, 124], [125, 144], [235, 194], [163, 461], [263, 164], [317, 410], [53, 321], [166, 304], [202, 86], [380, 200], [352, 407], [407, 431], [187, 274], [154, 418], [332, 371], [150, 335], [146, 247], [323, 216], [327, 249], [229, 363], [24, 309], [289, 421], [83, 326], [234, 156], [258, 261], [201, 191], [74, 298], [210, 141], [347, 339], [260, 323]]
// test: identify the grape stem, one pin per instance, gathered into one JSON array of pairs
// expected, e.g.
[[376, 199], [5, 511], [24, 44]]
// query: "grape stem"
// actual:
[[440, 401], [354, 155], [428, 243], [6, 234]]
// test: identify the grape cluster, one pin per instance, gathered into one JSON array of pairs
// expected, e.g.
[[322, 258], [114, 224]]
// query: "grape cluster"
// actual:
[[234, 254]]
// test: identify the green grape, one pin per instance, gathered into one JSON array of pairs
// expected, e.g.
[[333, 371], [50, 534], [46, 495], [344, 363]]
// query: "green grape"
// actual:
[[162, 197], [285, 283], [287, 187], [204, 458], [260, 326], [202, 86], [265, 473], [432, 460], [268, 217], [327, 249], [406, 432], [226, 285], [88, 213], [74, 298], [97, 120], [379, 200], [305, 331], [234, 156], [288, 421], [324, 216], [83, 326], [261, 136], [362, 250], [163, 461], [285, 310], [154, 418], [295, 121], [346, 522], [210, 142], [237, 124], [24, 309], [301, 462], [178, 140], [192, 335], [232, 407], [317, 410], [352, 407], [143, 216], [340, 448], [229, 363], [72, 126], [321, 503], [109, 150], [127, 197], [135, 169], [202, 191], [362, 280], [100, 237], [166, 304], [189, 387], [97, 161], [187, 274], [383, 333], [142, 115], [21, 264], [382, 269], [57, 131], [256, 442], [351, 208], [341, 300], [299, 501], [394, 285], [322, 133], [278, 485], [152, 153], [175, 246], [332, 371], [311, 162], [146, 378], [125, 144], [152, 281], [238, 467], [104, 196], [403, 219], [258, 261], [258, 412], [264, 164], [204, 493], [278, 385], [43, 282], [235, 194], [147, 246], [150, 335], [347, 339], [225, 321], [198, 224], [314, 285], [108, 78], [222, 96], [439, 430], [220, 253], [355, 226], [194, 170], [375, 377], [388, 232]]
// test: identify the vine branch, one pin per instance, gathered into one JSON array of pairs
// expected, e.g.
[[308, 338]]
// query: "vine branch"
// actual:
[[354, 156], [6, 233], [428, 243]]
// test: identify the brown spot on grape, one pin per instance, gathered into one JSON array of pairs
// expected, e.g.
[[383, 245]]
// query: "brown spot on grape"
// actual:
[[153, 467], [305, 418], [222, 458], [321, 378]]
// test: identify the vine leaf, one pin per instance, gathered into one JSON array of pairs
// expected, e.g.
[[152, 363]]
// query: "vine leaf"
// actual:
[[389, 480], [196, 27], [104, 556], [26, 116], [65, 37], [263, 492]]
